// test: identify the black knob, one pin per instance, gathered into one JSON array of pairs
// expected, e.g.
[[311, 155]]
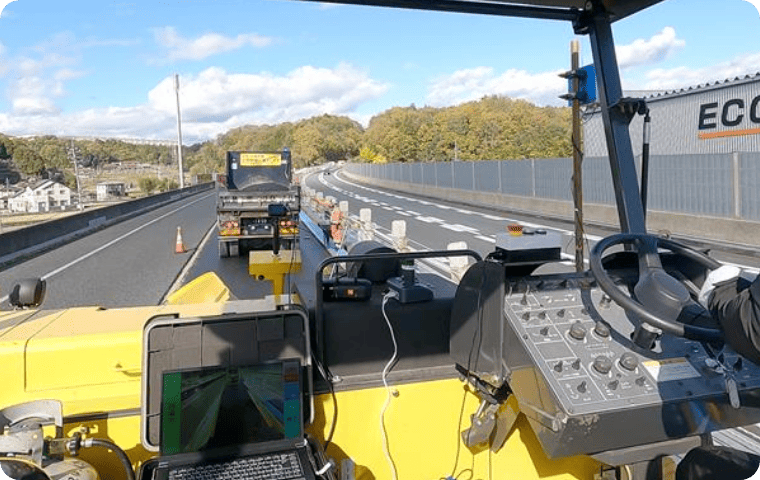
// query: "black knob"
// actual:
[[602, 329], [578, 331], [602, 364], [629, 361]]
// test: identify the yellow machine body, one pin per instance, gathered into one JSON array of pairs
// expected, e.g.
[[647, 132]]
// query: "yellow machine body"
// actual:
[[90, 359]]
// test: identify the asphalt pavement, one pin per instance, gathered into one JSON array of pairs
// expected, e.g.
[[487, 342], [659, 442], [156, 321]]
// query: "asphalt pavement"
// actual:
[[432, 224], [127, 264]]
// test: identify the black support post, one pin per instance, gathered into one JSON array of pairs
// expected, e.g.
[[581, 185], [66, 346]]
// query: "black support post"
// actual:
[[616, 121]]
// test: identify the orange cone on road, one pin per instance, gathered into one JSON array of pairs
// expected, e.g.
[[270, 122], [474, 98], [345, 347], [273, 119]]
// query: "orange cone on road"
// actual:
[[180, 248]]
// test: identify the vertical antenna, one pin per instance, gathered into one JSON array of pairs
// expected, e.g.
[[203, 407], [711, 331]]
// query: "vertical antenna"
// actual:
[[577, 145], [179, 133]]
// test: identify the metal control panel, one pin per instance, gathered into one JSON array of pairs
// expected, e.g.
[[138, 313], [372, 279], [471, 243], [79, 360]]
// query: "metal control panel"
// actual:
[[586, 388]]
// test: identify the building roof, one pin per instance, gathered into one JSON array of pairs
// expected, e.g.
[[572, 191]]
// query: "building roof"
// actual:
[[45, 184], [656, 95], [702, 87]]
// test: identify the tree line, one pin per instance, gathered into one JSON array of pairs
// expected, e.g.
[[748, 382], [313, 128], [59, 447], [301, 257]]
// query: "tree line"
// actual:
[[493, 128]]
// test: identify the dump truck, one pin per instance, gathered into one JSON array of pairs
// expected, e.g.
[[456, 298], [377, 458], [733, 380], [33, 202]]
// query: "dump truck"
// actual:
[[254, 182]]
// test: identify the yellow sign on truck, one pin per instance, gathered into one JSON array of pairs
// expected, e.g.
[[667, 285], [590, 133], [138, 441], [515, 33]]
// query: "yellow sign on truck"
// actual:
[[260, 159]]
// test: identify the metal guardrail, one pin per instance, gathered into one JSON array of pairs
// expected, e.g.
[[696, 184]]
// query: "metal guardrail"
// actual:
[[715, 185]]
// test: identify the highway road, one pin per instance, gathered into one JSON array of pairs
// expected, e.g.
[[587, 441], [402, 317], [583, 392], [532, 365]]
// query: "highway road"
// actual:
[[129, 263], [433, 224], [133, 262]]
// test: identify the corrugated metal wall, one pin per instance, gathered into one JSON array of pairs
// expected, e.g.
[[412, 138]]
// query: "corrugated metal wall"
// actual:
[[715, 185], [676, 118]]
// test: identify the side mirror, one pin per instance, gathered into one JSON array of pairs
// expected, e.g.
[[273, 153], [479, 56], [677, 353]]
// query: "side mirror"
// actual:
[[28, 293]]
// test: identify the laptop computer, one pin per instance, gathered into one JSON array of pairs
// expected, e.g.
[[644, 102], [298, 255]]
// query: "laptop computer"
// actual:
[[238, 422]]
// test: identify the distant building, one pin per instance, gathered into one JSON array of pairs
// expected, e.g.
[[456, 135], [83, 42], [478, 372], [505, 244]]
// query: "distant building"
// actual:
[[5, 194], [718, 118], [42, 197], [110, 190]]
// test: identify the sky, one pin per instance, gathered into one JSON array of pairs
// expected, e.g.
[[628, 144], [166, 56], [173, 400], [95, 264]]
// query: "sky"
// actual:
[[106, 68]]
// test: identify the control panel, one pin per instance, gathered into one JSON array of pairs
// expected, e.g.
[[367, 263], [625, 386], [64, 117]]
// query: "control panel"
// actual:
[[585, 386]]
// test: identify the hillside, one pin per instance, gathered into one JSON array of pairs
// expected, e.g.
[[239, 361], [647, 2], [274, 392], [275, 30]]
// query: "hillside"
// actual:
[[491, 128]]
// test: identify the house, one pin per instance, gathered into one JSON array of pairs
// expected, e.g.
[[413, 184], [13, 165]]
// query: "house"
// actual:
[[42, 197], [108, 190], [5, 194]]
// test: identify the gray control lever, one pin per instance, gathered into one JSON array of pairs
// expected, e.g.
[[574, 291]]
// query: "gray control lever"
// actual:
[[718, 366]]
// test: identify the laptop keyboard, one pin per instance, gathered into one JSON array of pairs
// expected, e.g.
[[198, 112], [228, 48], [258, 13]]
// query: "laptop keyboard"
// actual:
[[278, 466]]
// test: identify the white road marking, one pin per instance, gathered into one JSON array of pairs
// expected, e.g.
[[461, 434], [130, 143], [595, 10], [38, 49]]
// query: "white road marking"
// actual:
[[406, 214], [460, 228], [412, 212], [486, 239], [430, 220]]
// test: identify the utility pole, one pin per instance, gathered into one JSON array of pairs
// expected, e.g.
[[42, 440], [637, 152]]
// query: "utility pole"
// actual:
[[73, 157], [577, 143], [179, 133], [7, 202]]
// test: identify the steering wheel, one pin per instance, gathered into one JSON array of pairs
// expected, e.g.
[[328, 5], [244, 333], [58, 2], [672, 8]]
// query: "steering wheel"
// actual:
[[668, 294]]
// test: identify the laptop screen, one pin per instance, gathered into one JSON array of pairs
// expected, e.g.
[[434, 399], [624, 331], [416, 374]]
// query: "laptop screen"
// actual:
[[217, 407]]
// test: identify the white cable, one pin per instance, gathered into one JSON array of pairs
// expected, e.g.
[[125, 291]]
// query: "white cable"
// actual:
[[386, 449]]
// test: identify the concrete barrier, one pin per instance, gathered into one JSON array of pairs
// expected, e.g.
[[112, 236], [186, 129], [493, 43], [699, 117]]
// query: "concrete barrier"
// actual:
[[736, 231], [34, 239]]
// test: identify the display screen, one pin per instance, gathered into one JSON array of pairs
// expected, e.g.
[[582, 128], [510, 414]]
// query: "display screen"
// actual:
[[217, 407]]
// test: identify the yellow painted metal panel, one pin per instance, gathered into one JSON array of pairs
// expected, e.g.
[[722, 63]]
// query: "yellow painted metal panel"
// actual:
[[207, 288], [105, 358], [423, 427], [274, 267]]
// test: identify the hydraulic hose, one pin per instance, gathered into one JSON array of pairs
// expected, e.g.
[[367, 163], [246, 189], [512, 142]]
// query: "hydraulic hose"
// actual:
[[99, 442]]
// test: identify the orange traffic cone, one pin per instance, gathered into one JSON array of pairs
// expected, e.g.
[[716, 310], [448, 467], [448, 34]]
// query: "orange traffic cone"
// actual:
[[180, 247]]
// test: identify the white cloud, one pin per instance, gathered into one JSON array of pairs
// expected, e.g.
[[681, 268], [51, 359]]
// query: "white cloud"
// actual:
[[680, 77], [30, 95], [472, 84], [181, 48], [213, 102], [542, 88], [654, 50]]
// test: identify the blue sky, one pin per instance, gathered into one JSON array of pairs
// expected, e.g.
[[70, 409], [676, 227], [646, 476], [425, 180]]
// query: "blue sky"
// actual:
[[105, 68]]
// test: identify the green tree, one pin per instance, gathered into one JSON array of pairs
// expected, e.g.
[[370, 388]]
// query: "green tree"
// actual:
[[147, 184], [27, 160]]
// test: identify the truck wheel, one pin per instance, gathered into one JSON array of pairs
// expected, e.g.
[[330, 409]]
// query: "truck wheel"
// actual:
[[224, 249], [234, 249]]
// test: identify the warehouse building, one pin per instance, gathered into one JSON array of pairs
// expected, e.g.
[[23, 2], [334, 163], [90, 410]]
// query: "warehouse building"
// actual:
[[718, 118]]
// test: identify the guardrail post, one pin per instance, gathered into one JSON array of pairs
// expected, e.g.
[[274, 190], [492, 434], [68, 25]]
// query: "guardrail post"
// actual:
[[366, 232], [457, 265], [398, 234]]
